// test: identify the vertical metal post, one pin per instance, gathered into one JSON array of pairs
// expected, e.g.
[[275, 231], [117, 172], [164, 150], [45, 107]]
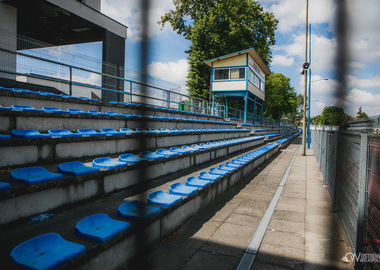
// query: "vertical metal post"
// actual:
[[71, 81], [262, 112], [226, 115], [362, 192], [191, 104], [130, 91], [245, 107], [254, 110], [309, 96], [305, 84], [167, 99], [213, 104], [325, 159]]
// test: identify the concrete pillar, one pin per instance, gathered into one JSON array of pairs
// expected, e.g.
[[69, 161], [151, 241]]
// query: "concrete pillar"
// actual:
[[113, 55], [8, 40]]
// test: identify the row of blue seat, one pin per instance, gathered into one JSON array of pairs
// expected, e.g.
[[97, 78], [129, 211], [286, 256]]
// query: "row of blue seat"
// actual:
[[51, 250], [43, 93], [58, 133], [288, 138], [27, 108], [36, 175]]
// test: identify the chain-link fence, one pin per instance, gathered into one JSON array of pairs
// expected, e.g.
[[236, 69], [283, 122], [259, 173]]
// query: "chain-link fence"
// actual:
[[351, 171]]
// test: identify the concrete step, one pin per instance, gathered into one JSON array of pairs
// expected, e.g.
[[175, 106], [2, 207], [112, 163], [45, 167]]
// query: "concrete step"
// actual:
[[22, 201], [29, 152], [116, 252]]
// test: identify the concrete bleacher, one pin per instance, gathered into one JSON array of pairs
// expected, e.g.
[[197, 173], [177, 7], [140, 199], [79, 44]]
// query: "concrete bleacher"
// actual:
[[208, 146]]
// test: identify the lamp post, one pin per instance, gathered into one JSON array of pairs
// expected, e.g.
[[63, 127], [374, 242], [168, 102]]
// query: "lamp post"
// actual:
[[305, 69]]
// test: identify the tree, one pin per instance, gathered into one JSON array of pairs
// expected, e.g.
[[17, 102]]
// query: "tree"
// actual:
[[360, 114], [280, 97], [219, 27], [335, 116]]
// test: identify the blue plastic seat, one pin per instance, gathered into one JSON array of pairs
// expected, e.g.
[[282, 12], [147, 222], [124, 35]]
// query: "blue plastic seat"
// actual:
[[208, 177], [174, 130], [107, 163], [163, 199], [5, 108], [141, 130], [181, 189], [47, 251], [165, 131], [154, 130], [34, 175], [151, 156], [93, 112], [217, 171], [90, 132], [20, 107], [100, 227], [226, 168], [179, 150], [43, 93], [233, 165], [130, 159], [195, 182], [63, 133], [75, 168], [5, 137], [28, 134], [77, 111], [111, 131], [4, 186], [127, 131], [189, 149], [54, 110], [136, 209], [166, 153]]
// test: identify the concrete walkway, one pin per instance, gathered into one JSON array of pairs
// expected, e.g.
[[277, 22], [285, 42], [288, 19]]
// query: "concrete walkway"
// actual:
[[302, 233]]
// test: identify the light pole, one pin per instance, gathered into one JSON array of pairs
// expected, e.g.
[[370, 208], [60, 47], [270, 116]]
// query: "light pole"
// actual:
[[305, 68]]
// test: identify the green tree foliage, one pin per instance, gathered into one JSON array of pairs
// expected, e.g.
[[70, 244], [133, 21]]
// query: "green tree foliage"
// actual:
[[360, 114], [335, 116], [219, 27], [280, 97]]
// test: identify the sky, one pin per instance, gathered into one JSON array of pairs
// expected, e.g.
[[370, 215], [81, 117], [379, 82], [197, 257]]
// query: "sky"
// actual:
[[168, 60]]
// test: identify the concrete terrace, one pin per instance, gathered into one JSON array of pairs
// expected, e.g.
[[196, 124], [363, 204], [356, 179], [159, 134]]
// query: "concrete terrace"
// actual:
[[302, 233]]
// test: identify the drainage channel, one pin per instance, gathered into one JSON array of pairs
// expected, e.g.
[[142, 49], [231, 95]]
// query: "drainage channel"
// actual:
[[254, 245]]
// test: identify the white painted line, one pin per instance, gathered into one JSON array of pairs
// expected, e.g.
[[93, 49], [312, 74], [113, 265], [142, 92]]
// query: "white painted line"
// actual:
[[254, 245]]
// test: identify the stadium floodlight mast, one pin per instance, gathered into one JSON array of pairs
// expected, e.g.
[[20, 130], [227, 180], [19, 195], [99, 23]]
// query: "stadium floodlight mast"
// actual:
[[305, 67]]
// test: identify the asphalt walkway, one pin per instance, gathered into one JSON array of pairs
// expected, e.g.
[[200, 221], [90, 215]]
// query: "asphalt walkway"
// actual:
[[302, 232]]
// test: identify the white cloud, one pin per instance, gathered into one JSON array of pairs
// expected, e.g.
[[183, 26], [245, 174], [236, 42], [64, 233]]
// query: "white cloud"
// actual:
[[128, 12], [368, 101], [282, 60], [323, 52], [355, 82], [292, 13], [175, 72]]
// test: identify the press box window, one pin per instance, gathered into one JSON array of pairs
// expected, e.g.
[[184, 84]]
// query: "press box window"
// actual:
[[229, 74]]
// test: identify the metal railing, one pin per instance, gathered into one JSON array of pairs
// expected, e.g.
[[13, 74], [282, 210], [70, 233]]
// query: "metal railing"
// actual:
[[350, 163], [70, 73]]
